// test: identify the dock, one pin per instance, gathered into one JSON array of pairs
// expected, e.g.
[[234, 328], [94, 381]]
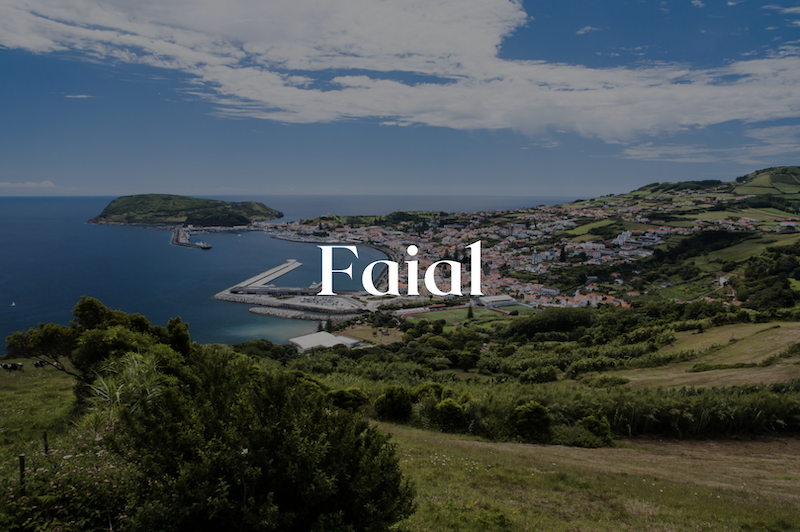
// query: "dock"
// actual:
[[290, 302], [268, 276]]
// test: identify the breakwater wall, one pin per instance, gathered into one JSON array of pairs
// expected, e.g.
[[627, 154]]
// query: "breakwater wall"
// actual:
[[264, 301], [300, 314], [270, 275], [180, 237]]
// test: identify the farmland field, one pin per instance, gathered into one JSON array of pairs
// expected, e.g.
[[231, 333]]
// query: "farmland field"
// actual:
[[730, 344]]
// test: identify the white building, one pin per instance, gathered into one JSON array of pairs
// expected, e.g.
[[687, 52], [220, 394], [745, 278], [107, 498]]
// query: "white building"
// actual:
[[497, 301], [308, 342]]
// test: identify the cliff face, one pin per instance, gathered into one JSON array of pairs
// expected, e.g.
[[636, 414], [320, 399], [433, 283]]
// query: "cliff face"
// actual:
[[167, 209]]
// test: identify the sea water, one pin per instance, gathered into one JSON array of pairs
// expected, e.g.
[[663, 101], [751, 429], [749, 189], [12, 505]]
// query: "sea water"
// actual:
[[50, 257]]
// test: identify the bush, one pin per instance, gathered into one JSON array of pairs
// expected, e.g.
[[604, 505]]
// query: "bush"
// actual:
[[349, 399], [531, 422], [605, 381], [428, 389], [598, 425], [210, 441], [539, 375], [449, 415], [222, 444], [575, 436], [74, 487], [394, 404]]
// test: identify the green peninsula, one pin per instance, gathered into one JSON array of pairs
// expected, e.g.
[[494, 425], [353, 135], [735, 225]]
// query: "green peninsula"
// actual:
[[169, 209]]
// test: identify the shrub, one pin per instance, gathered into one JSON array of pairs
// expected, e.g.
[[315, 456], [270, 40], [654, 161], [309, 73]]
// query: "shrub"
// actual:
[[605, 381], [539, 375], [428, 389], [449, 415], [531, 422], [75, 487], [394, 404], [349, 398], [575, 436], [598, 425], [225, 445]]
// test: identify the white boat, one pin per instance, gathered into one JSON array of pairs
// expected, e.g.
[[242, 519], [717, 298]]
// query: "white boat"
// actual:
[[13, 304]]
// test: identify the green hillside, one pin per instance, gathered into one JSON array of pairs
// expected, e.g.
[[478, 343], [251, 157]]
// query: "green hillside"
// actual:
[[168, 209], [782, 180]]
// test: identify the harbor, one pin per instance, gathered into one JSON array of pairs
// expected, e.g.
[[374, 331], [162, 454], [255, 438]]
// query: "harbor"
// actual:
[[180, 237], [290, 302]]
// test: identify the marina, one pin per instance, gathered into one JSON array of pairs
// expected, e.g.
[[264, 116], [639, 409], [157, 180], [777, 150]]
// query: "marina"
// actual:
[[289, 302]]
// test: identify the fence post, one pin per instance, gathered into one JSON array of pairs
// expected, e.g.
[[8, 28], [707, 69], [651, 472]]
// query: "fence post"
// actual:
[[45, 443], [22, 472]]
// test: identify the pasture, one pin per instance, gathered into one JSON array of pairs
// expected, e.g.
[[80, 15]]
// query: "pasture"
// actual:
[[453, 316], [465, 484]]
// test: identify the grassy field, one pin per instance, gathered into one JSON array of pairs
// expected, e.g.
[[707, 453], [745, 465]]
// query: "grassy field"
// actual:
[[744, 250], [32, 401], [641, 485], [522, 309], [452, 316], [464, 484], [365, 333], [584, 229]]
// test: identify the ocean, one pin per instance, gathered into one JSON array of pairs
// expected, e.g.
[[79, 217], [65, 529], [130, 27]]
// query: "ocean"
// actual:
[[50, 257]]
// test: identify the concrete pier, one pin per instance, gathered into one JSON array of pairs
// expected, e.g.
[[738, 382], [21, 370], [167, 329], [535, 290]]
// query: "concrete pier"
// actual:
[[290, 302], [269, 275]]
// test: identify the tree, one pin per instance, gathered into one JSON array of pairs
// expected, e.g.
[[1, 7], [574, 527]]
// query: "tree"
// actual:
[[96, 334], [470, 313], [50, 343]]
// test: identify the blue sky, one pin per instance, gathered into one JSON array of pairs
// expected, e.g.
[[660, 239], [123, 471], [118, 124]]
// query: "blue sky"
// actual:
[[459, 97]]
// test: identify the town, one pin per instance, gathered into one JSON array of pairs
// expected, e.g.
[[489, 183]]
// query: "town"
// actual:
[[534, 243]]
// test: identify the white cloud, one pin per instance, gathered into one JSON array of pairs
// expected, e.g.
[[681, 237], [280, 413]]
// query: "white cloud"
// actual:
[[308, 61], [698, 3], [586, 29], [28, 184], [770, 142], [784, 10], [77, 96]]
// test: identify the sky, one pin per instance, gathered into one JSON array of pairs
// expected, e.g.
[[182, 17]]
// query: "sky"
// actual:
[[416, 97]]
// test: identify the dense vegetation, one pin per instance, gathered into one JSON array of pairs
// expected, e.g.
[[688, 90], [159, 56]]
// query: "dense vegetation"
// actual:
[[682, 185], [767, 278], [258, 437], [181, 436], [171, 209]]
